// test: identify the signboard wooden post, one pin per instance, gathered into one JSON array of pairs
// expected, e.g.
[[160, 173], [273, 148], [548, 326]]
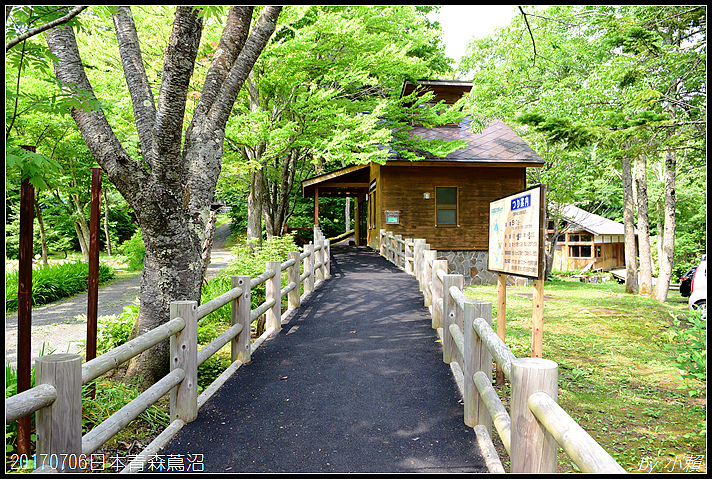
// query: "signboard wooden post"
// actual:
[[516, 247]]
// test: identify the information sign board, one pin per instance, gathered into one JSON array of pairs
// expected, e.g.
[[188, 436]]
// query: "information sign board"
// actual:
[[516, 234]]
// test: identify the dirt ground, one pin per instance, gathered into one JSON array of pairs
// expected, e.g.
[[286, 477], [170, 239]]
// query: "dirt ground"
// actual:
[[61, 326]]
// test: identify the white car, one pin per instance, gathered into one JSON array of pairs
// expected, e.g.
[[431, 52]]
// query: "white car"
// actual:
[[698, 294]]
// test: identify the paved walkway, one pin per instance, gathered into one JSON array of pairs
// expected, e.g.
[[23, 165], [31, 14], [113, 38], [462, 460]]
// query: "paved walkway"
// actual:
[[354, 382]]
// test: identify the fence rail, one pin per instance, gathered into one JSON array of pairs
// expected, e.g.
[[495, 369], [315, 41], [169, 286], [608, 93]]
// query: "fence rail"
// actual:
[[56, 398], [470, 346]]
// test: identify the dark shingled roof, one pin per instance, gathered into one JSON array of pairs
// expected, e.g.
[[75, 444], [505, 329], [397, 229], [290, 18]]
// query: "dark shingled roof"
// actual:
[[496, 143]]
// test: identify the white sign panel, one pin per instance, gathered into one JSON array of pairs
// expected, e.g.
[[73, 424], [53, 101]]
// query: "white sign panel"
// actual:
[[515, 234]]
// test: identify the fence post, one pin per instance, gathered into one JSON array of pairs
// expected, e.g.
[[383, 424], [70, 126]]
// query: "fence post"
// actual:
[[240, 309], [398, 250], [477, 358], [273, 287], [408, 253], [293, 277], [184, 355], [437, 291], [533, 449], [382, 242], [319, 258], [429, 256], [309, 280], [418, 247], [327, 258], [59, 425], [451, 314]]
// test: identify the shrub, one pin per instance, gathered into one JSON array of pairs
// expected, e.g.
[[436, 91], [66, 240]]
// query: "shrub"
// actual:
[[135, 250], [689, 351], [116, 331], [50, 283]]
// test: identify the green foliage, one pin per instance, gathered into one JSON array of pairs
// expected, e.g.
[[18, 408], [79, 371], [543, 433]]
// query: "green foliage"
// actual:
[[689, 350], [50, 283], [111, 396], [135, 250], [114, 331]]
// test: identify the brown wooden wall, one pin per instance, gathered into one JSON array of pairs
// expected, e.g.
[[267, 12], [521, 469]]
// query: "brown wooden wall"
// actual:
[[402, 187]]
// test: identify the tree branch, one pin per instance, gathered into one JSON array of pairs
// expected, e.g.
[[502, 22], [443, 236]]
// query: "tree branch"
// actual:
[[137, 81], [256, 42], [37, 30], [232, 41], [530, 34], [93, 125], [178, 65]]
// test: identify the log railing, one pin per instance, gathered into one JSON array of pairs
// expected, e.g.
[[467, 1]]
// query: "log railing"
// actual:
[[470, 345], [59, 378]]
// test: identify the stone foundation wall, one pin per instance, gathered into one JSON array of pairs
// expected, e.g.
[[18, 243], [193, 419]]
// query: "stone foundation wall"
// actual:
[[472, 265]]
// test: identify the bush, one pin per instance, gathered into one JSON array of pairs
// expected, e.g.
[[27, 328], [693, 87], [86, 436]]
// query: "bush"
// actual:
[[116, 331], [689, 350], [134, 250], [50, 283]]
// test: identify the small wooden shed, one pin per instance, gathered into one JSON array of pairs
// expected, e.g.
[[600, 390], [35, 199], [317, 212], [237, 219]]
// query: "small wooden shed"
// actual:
[[444, 200], [589, 241]]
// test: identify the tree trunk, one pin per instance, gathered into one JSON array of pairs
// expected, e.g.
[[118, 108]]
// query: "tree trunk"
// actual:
[[43, 235], [171, 191], [631, 265], [254, 209], [646, 266], [82, 228], [106, 222], [668, 256]]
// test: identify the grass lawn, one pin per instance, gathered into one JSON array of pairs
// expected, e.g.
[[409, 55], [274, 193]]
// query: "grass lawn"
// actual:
[[615, 375]]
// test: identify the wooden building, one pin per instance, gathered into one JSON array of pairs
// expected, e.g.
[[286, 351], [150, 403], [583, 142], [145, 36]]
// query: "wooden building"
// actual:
[[589, 241], [444, 200]]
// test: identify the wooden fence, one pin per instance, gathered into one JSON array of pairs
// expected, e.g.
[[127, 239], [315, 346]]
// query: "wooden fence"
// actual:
[[57, 395], [469, 346]]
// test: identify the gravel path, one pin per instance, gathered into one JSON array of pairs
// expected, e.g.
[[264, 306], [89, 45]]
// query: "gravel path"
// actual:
[[61, 326]]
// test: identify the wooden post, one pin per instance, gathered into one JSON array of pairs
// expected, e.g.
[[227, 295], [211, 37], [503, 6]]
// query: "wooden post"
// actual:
[[327, 258], [293, 277], [273, 287], [240, 309], [418, 247], [184, 355], [533, 449], [59, 425], [398, 250], [382, 242], [429, 257], [501, 312], [316, 206], [408, 254], [477, 358], [309, 280], [538, 318], [319, 259], [93, 283], [451, 315], [437, 287], [24, 305]]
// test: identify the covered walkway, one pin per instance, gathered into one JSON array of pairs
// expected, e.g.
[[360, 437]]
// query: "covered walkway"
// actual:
[[354, 382]]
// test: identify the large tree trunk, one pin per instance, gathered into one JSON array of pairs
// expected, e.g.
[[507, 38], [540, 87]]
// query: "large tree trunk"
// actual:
[[631, 265], [171, 190], [646, 265], [668, 256]]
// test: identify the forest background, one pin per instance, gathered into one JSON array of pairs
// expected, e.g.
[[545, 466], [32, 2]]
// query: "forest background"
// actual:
[[613, 98]]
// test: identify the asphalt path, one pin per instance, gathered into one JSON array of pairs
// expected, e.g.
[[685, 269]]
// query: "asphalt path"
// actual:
[[353, 382], [61, 326]]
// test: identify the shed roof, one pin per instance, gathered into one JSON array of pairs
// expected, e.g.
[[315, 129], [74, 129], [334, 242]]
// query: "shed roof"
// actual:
[[593, 223], [496, 143]]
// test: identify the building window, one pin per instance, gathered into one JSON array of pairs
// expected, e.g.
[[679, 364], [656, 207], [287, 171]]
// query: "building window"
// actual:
[[582, 251], [446, 206]]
